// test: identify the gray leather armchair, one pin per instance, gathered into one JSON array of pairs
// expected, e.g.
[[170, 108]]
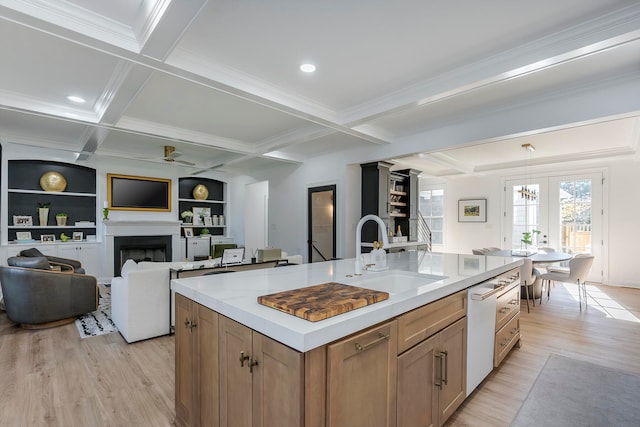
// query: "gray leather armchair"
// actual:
[[66, 264], [37, 297]]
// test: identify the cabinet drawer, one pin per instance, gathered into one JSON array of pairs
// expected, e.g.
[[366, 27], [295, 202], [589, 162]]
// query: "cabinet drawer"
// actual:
[[506, 338], [425, 321], [508, 305]]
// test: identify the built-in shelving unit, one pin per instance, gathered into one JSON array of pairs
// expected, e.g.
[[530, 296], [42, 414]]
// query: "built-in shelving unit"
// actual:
[[215, 202], [24, 194]]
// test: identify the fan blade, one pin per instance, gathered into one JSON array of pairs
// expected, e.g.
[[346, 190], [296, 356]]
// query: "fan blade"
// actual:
[[199, 171], [184, 162]]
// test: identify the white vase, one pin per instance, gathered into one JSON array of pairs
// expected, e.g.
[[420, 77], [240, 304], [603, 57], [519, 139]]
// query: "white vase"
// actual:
[[44, 216]]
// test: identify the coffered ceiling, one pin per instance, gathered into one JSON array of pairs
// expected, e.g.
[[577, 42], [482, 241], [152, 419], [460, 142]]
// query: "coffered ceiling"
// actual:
[[220, 80]]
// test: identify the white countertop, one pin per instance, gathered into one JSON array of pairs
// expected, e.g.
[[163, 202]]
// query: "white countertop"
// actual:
[[235, 295]]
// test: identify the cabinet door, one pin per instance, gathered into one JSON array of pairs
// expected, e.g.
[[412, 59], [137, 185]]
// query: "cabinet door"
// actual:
[[196, 371], [384, 181], [206, 372], [417, 390], [236, 397], [86, 254], [184, 375], [453, 343], [361, 379], [278, 384]]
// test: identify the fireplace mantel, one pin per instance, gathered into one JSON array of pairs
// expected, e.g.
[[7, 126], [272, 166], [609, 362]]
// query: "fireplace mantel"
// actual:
[[123, 228], [112, 229]]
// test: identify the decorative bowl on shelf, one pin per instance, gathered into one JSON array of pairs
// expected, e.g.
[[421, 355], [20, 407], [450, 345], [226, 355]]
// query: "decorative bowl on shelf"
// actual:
[[200, 192], [53, 181]]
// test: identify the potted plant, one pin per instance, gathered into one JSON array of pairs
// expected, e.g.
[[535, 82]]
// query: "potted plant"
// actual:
[[61, 219], [527, 238], [43, 213], [187, 216], [204, 232]]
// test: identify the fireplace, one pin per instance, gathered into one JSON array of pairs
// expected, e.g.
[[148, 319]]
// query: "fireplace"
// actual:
[[140, 248]]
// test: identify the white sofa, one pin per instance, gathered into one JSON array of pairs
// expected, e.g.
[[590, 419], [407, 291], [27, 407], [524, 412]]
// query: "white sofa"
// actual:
[[140, 298]]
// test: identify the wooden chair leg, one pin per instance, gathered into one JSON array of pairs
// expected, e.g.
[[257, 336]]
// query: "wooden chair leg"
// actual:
[[526, 291]]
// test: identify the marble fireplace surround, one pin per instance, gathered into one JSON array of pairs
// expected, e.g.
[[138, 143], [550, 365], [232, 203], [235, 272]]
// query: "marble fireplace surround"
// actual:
[[114, 229]]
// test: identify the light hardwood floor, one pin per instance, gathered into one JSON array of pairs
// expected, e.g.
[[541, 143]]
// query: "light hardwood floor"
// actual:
[[53, 378]]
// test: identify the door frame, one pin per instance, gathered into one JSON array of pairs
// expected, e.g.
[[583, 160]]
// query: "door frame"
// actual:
[[310, 191], [603, 263]]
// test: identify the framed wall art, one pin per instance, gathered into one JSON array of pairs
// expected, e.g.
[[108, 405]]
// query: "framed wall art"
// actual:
[[472, 210]]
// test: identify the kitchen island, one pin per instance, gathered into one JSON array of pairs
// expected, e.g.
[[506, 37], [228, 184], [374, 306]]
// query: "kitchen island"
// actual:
[[242, 363]]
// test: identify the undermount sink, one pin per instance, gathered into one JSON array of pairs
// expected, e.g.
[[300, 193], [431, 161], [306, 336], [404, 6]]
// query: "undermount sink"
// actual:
[[393, 281]]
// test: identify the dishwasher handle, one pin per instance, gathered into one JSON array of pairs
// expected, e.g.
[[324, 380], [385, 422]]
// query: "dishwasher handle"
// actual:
[[484, 296]]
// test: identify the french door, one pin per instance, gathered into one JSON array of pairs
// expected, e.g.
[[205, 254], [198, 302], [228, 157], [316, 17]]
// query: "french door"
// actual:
[[566, 210]]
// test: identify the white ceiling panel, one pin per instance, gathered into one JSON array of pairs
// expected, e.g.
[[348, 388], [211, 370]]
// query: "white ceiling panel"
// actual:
[[219, 80]]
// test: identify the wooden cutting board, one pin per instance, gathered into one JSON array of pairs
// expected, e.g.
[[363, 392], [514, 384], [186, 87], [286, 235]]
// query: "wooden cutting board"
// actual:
[[322, 301]]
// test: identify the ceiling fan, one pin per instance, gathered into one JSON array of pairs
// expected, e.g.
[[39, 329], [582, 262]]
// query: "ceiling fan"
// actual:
[[171, 155]]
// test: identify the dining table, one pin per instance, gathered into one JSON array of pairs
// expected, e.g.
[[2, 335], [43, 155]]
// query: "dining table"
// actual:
[[537, 257]]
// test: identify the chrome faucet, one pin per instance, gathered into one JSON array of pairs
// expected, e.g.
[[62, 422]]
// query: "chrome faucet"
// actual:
[[383, 230]]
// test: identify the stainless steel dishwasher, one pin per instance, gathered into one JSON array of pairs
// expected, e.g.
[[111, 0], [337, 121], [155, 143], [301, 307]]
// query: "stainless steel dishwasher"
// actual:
[[481, 321]]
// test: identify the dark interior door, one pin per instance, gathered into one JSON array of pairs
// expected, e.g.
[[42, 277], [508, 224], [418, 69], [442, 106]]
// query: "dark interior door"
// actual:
[[322, 223]]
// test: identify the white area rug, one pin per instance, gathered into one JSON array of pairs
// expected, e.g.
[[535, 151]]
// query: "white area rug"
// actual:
[[97, 322]]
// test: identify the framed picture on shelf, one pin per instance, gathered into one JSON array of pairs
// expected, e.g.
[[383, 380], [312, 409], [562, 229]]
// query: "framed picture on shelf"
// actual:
[[208, 221], [78, 236], [48, 238], [472, 210], [23, 220], [199, 214], [188, 232], [23, 235]]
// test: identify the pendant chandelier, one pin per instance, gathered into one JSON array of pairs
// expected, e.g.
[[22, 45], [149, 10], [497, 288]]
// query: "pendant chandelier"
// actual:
[[526, 192]]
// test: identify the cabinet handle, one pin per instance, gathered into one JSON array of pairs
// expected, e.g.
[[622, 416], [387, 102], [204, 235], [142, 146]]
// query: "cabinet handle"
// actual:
[[189, 324], [505, 309], [445, 372], [243, 358], [252, 363], [514, 302], [505, 342], [381, 337], [438, 382]]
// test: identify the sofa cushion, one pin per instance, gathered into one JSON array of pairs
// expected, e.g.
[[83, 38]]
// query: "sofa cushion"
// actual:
[[128, 266], [39, 263]]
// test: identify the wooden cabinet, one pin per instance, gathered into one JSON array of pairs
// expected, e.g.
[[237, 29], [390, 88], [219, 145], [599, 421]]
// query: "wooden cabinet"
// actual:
[[507, 323], [361, 378], [432, 362], [24, 194], [407, 371], [261, 380], [197, 367], [214, 204]]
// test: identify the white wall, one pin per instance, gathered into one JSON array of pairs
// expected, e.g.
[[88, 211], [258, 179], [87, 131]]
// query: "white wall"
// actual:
[[621, 214]]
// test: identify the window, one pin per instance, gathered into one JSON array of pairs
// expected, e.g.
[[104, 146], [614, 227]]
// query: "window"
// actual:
[[432, 209]]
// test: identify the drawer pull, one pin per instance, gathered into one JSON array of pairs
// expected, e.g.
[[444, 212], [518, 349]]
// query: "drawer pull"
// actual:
[[505, 309], [514, 302], [381, 337], [505, 342]]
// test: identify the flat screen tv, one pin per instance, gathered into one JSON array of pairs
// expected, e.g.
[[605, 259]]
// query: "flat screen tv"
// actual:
[[138, 193]]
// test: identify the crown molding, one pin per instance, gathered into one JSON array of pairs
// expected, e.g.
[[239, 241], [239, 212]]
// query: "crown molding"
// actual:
[[78, 19]]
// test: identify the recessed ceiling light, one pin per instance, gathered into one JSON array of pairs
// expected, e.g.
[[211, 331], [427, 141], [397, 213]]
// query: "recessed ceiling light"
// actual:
[[76, 99], [308, 68]]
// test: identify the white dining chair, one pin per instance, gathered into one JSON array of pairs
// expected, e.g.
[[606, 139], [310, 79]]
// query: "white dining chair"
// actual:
[[529, 277], [579, 267]]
